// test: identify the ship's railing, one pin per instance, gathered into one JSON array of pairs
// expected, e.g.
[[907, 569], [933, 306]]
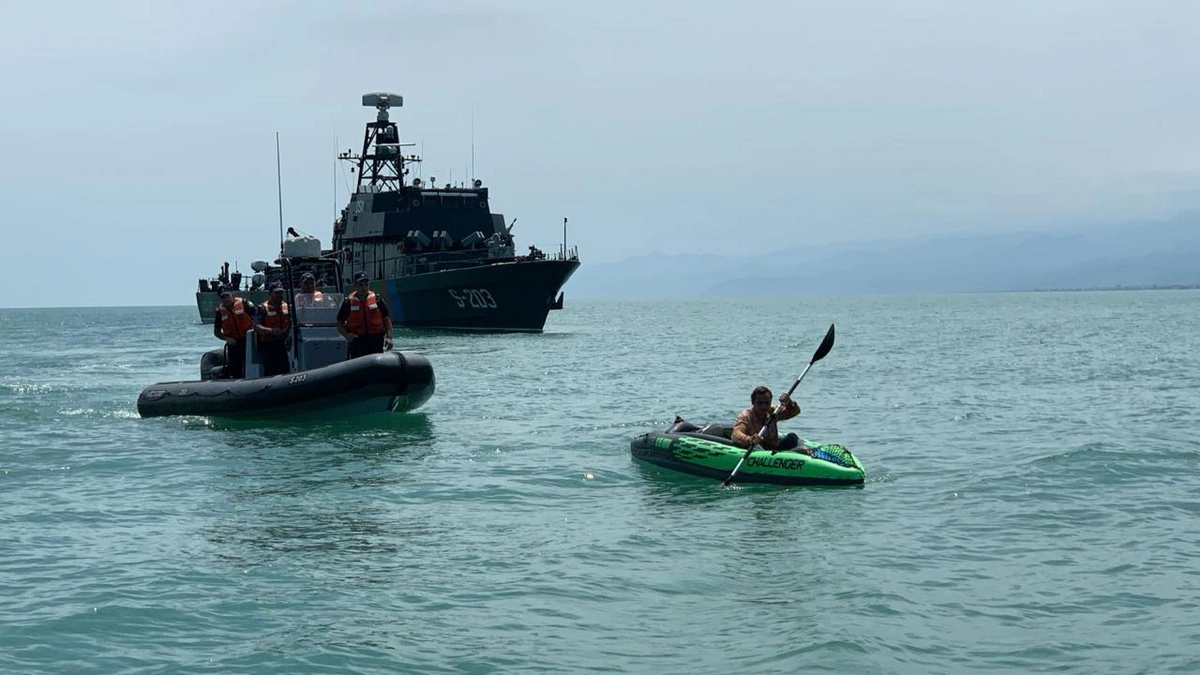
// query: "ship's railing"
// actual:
[[404, 265], [260, 281], [393, 266], [504, 252], [244, 285]]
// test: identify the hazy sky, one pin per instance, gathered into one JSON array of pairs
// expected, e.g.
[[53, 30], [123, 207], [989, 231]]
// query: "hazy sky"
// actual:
[[139, 137]]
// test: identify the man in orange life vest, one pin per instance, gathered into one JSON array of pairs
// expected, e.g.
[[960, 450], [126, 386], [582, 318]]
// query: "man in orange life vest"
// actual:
[[233, 320], [274, 321], [364, 319]]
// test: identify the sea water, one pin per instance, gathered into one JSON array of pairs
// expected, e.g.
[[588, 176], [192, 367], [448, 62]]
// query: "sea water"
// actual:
[[1032, 501]]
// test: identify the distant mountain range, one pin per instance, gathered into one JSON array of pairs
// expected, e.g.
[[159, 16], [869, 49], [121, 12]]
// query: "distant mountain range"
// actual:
[[1137, 254]]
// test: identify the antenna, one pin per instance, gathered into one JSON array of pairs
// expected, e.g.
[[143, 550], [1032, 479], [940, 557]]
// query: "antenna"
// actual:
[[472, 140], [279, 187], [335, 172]]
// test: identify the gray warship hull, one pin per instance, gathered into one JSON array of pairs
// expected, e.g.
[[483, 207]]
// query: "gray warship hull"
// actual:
[[503, 297]]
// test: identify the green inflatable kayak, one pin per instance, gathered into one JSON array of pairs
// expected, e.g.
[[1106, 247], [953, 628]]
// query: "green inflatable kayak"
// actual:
[[707, 451]]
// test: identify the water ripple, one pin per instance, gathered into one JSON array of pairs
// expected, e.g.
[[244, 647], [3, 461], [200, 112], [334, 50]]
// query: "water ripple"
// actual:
[[1030, 505]]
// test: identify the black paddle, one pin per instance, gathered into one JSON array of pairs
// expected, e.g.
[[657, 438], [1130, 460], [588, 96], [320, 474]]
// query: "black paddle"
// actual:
[[826, 345]]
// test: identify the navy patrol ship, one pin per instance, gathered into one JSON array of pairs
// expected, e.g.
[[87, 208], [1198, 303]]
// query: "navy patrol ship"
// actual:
[[439, 255]]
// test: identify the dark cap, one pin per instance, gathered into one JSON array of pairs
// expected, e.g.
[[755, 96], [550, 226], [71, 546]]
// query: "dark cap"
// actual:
[[361, 276], [307, 276], [275, 286], [224, 290]]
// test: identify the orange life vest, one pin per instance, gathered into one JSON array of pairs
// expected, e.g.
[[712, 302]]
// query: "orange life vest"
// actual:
[[365, 317], [276, 318], [235, 323]]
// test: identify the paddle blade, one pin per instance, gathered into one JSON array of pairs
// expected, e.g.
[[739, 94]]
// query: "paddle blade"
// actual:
[[826, 345]]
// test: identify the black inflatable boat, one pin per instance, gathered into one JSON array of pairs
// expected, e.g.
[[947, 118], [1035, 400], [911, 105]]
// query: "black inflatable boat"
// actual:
[[323, 383], [392, 381]]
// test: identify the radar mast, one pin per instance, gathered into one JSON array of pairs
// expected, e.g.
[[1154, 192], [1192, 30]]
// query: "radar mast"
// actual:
[[380, 164]]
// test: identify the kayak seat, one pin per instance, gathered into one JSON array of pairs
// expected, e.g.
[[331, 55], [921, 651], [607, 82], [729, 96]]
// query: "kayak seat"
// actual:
[[713, 431], [717, 430]]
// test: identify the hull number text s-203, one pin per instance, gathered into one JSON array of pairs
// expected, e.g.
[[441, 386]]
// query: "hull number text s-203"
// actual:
[[478, 298]]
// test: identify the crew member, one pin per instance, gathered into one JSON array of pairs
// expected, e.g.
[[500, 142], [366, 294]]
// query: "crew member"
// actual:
[[309, 296], [364, 319], [274, 320], [233, 321]]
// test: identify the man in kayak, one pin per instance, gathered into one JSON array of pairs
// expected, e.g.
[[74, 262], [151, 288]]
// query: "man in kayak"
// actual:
[[748, 429], [364, 319], [235, 318]]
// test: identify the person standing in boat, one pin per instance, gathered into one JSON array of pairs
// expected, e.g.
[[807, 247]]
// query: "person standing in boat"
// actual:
[[748, 429], [233, 321], [274, 321], [309, 296], [364, 319]]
